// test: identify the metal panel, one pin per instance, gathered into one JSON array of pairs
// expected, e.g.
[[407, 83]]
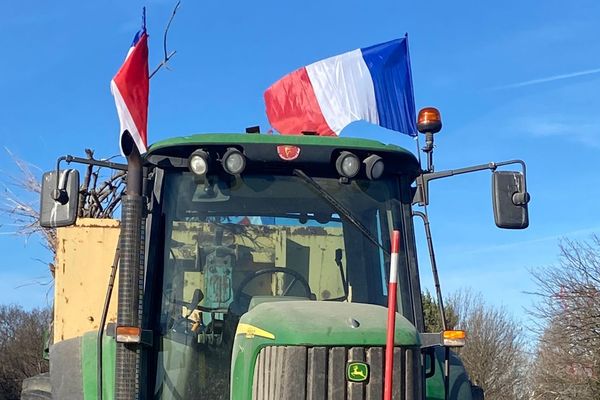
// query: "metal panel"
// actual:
[[356, 390], [257, 380], [65, 364], [293, 374], [280, 374], [336, 374], [316, 375], [398, 375], [273, 367], [374, 390], [414, 374], [319, 373], [83, 259]]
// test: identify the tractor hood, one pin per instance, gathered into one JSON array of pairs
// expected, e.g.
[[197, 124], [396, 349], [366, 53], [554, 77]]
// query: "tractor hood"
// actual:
[[322, 323], [278, 343]]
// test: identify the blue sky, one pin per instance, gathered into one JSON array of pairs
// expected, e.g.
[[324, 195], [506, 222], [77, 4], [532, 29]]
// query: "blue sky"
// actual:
[[512, 79]]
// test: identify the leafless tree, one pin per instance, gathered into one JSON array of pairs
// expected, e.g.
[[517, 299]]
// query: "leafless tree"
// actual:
[[20, 203], [21, 347], [568, 308], [99, 197], [100, 193], [494, 354]]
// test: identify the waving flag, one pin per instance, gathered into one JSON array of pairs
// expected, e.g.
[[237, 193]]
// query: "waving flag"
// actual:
[[372, 84], [130, 89]]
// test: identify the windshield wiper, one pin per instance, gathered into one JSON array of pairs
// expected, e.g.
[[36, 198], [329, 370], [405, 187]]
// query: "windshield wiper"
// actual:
[[339, 207]]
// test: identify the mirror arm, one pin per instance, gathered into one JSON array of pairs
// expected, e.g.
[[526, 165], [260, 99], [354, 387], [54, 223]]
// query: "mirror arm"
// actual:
[[421, 196], [58, 193]]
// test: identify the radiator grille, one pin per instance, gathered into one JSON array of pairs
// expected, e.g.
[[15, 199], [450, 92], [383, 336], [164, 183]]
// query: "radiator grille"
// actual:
[[319, 373]]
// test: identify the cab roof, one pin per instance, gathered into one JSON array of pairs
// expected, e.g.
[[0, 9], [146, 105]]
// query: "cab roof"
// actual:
[[261, 150], [298, 140]]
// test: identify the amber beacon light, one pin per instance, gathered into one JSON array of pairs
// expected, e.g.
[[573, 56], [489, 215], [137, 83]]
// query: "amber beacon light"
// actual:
[[429, 120]]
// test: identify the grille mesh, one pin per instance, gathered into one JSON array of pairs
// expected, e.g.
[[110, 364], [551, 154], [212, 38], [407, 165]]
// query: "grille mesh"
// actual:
[[319, 373]]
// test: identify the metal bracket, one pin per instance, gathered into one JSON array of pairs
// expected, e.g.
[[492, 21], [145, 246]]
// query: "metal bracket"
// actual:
[[431, 340], [421, 191], [87, 161]]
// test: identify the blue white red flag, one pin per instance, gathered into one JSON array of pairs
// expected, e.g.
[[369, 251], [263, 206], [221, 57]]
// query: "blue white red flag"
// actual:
[[130, 88], [372, 84]]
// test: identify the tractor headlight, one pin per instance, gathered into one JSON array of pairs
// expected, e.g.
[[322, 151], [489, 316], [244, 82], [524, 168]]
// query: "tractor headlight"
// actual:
[[373, 166], [198, 162], [233, 161], [347, 164]]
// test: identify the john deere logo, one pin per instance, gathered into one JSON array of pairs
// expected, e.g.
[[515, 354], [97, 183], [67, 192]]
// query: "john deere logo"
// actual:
[[357, 371]]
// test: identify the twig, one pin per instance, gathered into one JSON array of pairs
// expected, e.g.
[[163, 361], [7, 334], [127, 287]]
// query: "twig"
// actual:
[[167, 55]]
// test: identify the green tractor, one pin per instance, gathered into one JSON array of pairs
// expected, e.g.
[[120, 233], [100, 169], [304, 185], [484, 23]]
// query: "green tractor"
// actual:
[[256, 267]]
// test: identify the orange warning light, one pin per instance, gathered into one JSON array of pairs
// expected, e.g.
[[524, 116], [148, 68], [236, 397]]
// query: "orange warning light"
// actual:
[[429, 120]]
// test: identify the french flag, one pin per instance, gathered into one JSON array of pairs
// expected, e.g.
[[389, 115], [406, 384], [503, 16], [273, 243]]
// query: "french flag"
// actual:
[[372, 84], [130, 88]]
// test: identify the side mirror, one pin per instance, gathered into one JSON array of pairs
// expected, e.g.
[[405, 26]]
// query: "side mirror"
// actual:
[[510, 200], [59, 198]]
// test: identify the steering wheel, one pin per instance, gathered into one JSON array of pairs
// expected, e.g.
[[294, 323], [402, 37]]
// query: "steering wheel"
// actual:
[[241, 298]]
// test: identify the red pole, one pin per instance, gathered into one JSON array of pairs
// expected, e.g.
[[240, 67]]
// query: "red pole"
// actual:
[[391, 321]]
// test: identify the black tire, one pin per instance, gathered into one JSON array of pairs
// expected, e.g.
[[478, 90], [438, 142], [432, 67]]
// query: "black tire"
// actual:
[[37, 387]]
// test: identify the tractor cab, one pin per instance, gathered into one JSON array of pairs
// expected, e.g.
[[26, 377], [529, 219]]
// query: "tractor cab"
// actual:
[[255, 267], [236, 229]]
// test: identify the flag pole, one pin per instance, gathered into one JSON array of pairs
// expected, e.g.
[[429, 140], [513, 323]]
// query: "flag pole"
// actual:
[[391, 320]]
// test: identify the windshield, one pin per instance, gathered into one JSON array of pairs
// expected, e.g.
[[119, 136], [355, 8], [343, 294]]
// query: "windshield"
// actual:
[[232, 243]]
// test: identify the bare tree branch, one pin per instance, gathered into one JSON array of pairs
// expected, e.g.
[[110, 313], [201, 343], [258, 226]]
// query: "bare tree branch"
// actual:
[[99, 197], [568, 306]]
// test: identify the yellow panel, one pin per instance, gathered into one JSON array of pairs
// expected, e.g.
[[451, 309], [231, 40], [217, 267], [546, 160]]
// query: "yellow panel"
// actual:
[[83, 259]]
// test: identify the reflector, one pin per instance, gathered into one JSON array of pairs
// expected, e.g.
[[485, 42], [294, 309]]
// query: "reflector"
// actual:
[[128, 334], [454, 338]]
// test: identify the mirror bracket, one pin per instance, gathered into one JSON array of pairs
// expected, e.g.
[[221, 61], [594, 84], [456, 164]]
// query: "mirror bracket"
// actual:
[[59, 195], [421, 192], [59, 192]]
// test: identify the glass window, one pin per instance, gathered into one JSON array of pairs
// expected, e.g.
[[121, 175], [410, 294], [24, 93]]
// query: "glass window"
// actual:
[[231, 243]]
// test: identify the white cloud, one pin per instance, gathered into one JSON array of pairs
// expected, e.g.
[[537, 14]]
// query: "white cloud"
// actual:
[[525, 244], [570, 127], [549, 79]]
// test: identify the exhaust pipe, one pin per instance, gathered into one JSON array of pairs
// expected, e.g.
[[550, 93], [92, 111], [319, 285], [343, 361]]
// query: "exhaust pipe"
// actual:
[[130, 273]]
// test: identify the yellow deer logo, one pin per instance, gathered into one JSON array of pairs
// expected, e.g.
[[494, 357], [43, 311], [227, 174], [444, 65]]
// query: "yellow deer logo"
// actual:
[[358, 372]]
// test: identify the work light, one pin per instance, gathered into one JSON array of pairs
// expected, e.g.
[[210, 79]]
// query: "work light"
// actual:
[[373, 166], [347, 164], [233, 161], [198, 162]]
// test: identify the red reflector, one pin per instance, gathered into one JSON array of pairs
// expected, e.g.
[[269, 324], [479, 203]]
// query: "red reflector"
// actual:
[[288, 152]]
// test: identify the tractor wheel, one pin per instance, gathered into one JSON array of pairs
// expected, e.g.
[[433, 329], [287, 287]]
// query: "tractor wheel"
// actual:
[[36, 388]]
